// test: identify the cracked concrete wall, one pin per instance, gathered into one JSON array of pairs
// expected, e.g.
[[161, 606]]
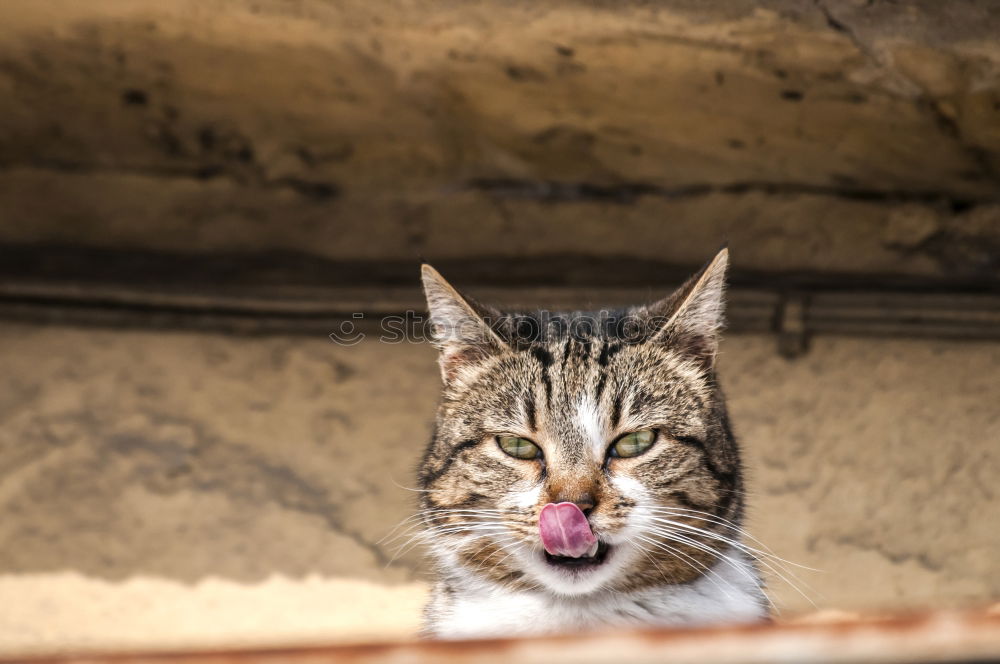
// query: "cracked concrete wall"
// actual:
[[168, 488], [867, 133]]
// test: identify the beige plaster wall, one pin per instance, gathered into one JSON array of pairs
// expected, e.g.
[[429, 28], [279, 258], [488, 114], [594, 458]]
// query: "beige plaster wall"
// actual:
[[168, 488]]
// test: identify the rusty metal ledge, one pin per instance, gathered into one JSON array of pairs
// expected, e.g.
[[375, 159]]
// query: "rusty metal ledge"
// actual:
[[924, 638]]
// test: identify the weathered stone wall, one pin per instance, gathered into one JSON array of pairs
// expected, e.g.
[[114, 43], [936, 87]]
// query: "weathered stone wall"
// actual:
[[866, 135]]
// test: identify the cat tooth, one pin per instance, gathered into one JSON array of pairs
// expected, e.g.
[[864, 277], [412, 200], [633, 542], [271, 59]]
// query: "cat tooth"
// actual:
[[592, 551]]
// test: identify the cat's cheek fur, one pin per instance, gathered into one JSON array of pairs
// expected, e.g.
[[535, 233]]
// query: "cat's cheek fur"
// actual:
[[522, 500]]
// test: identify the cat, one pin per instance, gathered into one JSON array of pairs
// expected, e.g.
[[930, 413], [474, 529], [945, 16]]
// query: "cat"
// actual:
[[582, 472]]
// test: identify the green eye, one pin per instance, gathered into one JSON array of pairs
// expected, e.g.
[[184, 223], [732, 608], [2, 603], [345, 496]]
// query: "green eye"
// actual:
[[519, 448], [633, 444]]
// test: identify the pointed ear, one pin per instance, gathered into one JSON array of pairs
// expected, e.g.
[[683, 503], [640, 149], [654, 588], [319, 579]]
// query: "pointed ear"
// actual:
[[460, 327], [694, 315]]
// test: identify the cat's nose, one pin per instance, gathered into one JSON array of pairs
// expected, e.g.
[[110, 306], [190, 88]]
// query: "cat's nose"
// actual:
[[585, 501]]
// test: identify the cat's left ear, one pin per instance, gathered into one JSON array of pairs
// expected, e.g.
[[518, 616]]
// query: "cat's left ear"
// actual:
[[461, 328], [692, 318]]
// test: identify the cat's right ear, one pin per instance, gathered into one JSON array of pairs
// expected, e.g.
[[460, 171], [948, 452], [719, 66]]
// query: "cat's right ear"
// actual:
[[693, 315], [459, 326]]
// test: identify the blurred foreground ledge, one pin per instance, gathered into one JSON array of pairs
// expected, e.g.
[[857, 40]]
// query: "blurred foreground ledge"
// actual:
[[933, 636]]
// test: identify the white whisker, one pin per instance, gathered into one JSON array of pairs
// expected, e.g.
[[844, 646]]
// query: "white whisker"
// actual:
[[725, 523], [680, 538], [694, 564]]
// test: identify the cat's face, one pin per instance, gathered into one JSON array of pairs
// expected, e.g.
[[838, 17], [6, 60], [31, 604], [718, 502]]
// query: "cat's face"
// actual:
[[618, 414]]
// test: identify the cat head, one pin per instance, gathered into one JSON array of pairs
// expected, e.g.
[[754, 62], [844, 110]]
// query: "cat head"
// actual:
[[615, 417]]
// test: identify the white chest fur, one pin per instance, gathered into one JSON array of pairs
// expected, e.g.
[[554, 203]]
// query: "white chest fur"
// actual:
[[730, 593]]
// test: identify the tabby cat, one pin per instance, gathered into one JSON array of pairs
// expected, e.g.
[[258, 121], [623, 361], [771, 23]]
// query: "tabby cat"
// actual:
[[582, 471]]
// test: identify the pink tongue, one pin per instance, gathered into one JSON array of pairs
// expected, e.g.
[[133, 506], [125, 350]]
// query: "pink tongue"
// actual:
[[565, 530]]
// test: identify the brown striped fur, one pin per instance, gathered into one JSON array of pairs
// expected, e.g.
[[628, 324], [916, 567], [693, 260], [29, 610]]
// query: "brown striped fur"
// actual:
[[572, 383]]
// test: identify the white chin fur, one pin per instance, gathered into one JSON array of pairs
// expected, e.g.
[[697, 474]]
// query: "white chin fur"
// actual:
[[575, 582], [478, 610]]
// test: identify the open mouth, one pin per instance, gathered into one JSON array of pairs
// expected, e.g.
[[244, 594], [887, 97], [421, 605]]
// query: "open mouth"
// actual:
[[568, 562]]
